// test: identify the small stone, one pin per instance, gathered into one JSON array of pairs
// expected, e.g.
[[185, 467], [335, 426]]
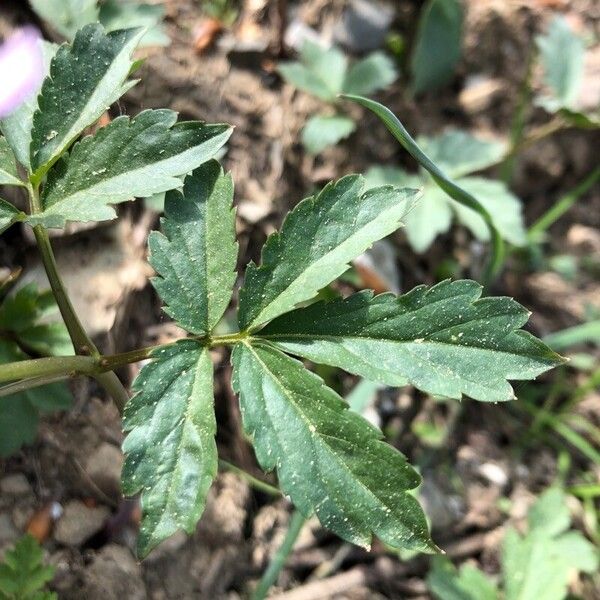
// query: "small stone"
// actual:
[[113, 575], [8, 532], [104, 469], [15, 485], [494, 473], [79, 523]]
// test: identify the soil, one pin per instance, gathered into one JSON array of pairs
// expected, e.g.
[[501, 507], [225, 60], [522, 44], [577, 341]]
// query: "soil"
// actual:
[[65, 487]]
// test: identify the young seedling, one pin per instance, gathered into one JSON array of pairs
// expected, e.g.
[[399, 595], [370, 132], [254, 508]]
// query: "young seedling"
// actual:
[[444, 339], [324, 73], [536, 565], [459, 155]]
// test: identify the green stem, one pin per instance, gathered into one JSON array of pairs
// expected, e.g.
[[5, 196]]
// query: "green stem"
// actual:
[[278, 561], [537, 230], [81, 341], [256, 483], [28, 384]]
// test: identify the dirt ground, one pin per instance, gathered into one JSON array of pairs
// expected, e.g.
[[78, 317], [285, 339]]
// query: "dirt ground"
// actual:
[[65, 487]]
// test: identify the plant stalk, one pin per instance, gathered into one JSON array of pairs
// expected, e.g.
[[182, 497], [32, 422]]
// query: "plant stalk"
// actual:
[[277, 563], [81, 341], [28, 384], [258, 484]]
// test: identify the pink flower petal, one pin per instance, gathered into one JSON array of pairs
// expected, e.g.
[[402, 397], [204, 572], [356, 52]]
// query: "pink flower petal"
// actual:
[[21, 69]]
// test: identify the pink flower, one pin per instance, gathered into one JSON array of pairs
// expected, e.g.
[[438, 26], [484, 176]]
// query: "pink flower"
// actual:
[[21, 69]]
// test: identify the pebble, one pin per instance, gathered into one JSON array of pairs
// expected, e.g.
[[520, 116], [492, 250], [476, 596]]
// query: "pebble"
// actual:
[[15, 485], [104, 469], [79, 523]]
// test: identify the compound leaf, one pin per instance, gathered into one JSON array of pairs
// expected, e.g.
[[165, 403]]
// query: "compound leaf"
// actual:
[[171, 455], [8, 165], [195, 259], [444, 340], [329, 459], [316, 242], [373, 73], [140, 156], [502, 205], [459, 153], [23, 574], [320, 72], [119, 14], [9, 215], [561, 55], [437, 46], [447, 583], [85, 79], [66, 16], [323, 131]]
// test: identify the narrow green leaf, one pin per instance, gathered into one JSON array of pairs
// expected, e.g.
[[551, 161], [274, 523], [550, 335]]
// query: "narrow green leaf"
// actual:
[[16, 127], [128, 158], [329, 460], [195, 259], [85, 79], [171, 455], [459, 153], [447, 583], [8, 165], [373, 73], [66, 16], [438, 45], [450, 187], [561, 55], [317, 240], [444, 340], [320, 72], [9, 215], [323, 131]]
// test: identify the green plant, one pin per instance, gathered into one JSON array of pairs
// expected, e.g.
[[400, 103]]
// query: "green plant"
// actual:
[[223, 11], [68, 16], [24, 333], [459, 155], [443, 339], [324, 73], [437, 46], [23, 575], [562, 60], [535, 566]]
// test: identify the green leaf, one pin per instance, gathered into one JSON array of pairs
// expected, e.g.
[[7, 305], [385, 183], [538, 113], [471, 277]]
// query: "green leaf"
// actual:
[[8, 165], [550, 514], [85, 79], [438, 45], [446, 583], [171, 455], [66, 16], [196, 257], [450, 187], [16, 127], [503, 206], [9, 215], [320, 72], [561, 56], [129, 157], [323, 131], [459, 153], [122, 14], [316, 242], [23, 574], [444, 340], [329, 459], [371, 74]]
